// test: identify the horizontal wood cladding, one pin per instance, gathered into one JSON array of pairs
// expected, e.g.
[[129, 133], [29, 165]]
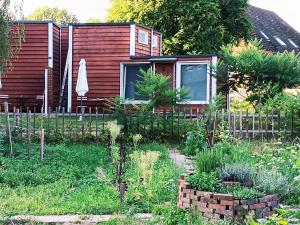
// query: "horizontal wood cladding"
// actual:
[[26, 79], [103, 48], [142, 49], [55, 85], [156, 50]]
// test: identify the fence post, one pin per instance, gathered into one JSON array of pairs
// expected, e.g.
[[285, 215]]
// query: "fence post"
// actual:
[[247, 123], [63, 121], [97, 137], [272, 122], [253, 124], [8, 130], [29, 133], [241, 123], [42, 144]]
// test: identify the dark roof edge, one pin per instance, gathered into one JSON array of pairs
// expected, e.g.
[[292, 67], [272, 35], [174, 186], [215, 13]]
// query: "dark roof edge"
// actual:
[[174, 56], [34, 22], [113, 24]]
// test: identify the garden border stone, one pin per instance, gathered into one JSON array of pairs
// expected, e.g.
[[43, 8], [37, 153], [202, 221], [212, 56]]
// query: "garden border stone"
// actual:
[[213, 206]]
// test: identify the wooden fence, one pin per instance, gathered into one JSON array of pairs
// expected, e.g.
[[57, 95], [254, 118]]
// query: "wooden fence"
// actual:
[[174, 123]]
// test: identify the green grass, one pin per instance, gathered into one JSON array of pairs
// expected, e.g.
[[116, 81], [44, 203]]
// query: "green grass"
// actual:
[[66, 182]]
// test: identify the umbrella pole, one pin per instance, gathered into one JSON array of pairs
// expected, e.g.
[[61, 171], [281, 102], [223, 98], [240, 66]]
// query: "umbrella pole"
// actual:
[[82, 117]]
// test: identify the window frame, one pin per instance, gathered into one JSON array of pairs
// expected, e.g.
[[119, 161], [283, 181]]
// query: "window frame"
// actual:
[[208, 75], [123, 82], [155, 41], [146, 36]]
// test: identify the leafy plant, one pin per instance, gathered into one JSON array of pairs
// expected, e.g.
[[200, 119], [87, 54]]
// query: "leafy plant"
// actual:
[[158, 90], [237, 172], [195, 142], [253, 68], [209, 160], [272, 182], [136, 140], [240, 192], [204, 181]]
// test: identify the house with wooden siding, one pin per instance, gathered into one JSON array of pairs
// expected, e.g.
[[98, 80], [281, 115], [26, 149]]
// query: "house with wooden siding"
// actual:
[[114, 54], [39, 56]]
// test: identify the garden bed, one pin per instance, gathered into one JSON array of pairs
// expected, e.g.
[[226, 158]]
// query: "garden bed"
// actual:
[[214, 206]]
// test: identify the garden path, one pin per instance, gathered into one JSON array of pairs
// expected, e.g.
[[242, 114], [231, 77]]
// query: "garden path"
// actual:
[[181, 160], [71, 219]]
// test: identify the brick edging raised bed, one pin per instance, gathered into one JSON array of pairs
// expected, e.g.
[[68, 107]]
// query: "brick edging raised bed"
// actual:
[[213, 206]]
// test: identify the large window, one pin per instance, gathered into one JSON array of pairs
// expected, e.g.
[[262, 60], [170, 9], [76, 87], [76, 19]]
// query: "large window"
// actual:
[[194, 77], [130, 74]]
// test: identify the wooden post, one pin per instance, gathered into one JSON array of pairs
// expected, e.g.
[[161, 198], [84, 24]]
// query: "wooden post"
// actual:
[[229, 121], [266, 124], [34, 114], [42, 137], [29, 134], [253, 124], [63, 121], [234, 126], [8, 130], [272, 122], [56, 120], [292, 123], [259, 124], [247, 123], [90, 120], [241, 123], [222, 119]]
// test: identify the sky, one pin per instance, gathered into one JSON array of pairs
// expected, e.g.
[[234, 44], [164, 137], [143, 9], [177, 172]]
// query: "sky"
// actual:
[[85, 9]]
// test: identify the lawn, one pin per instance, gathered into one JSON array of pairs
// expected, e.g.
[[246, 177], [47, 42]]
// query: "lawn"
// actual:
[[67, 182]]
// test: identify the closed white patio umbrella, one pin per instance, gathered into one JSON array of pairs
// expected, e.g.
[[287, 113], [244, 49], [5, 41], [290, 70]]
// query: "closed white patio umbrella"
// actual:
[[82, 84]]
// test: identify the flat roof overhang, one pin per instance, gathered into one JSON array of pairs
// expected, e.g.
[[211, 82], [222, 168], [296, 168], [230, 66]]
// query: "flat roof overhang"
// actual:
[[172, 58]]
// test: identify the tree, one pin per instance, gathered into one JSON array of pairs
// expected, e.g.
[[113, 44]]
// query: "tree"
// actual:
[[194, 26], [11, 38], [59, 16], [262, 74]]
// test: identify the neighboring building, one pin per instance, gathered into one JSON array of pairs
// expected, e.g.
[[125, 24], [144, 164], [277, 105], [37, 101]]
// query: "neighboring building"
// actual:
[[275, 33], [24, 85], [114, 53]]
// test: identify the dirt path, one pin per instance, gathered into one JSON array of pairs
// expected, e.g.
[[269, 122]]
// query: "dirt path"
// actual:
[[70, 219], [181, 160]]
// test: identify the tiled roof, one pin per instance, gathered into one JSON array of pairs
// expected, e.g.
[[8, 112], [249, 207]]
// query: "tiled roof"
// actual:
[[275, 33]]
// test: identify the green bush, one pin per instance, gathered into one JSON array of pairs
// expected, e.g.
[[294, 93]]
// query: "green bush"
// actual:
[[204, 181], [195, 142], [272, 182], [209, 160], [237, 172]]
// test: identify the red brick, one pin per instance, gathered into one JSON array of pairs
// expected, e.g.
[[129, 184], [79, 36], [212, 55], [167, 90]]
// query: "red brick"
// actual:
[[225, 202], [224, 197], [214, 206], [205, 210], [257, 206], [267, 214], [224, 212]]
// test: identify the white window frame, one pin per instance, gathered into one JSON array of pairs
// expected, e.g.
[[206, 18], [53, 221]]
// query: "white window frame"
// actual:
[[178, 80], [155, 41], [146, 41], [123, 83]]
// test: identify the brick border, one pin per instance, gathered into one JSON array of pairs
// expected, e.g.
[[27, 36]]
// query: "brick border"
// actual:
[[213, 206]]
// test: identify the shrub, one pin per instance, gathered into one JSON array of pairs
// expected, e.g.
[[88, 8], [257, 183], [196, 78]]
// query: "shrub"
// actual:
[[204, 181], [195, 142], [237, 172], [272, 182], [209, 160]]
